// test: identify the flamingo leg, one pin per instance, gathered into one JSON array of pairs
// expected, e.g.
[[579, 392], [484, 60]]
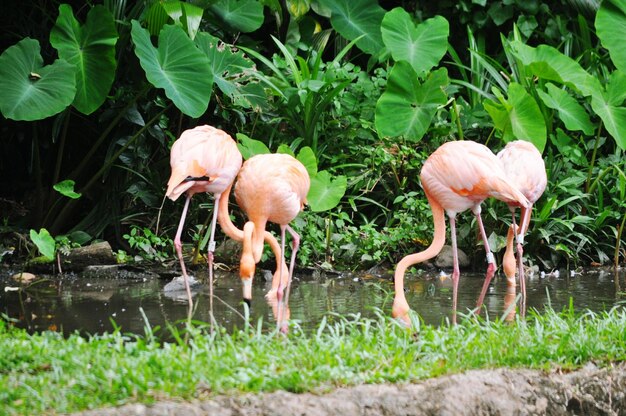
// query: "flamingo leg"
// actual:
[[178, 245], [524, 220], [295, 245], [210, 252], [280, 290], [491, 262], [455, 271]]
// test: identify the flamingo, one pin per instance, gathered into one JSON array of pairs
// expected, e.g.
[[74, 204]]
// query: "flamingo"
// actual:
[[203, 159], [231, 230], [457, 176], [270, 187], [526, 170]]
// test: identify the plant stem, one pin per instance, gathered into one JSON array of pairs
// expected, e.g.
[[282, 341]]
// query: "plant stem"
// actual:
[[493, 130], [94, 148], [457, 119], [67, 209], [328, 234], [117, 154], [620, 230], [593, 185], [37, 172], [57, 168], [593, 159]]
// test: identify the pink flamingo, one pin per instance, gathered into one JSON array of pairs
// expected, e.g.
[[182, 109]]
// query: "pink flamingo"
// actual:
[[203, 159], [270, 187], [526, 171], [457, 176]]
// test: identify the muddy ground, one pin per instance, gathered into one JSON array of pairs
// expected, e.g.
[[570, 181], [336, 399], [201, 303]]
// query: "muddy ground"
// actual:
[[588, 391]]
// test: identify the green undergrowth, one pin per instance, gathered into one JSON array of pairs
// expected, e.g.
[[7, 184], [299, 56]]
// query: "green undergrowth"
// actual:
[[47, 373]]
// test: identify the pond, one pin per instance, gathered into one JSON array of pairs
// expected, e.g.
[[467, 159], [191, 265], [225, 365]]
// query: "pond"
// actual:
[[97, 303]]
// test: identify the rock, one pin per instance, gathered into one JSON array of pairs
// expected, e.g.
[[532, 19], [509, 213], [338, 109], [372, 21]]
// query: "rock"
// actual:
[[445, 259], [100, 271], [228, 252], [23, 277], [178, 284], [176, 290], [504, 391], [94, 254]]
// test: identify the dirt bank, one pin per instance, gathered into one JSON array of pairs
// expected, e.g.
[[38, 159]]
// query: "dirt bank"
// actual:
[[588, 391]]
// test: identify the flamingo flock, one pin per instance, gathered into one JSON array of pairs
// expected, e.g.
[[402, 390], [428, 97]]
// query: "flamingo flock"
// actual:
[[457, 176]]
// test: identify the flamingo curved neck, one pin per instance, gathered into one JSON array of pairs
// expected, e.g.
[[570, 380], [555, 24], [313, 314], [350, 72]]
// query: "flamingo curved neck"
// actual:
[[508, 261], [223, 217], [400, 304]]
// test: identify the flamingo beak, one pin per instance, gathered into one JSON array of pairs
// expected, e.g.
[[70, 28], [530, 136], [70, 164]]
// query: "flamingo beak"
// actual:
[[198, 179], [247, 289]]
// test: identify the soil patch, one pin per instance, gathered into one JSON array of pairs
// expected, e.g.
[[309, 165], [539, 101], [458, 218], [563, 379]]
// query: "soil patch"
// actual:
[[587, 391]]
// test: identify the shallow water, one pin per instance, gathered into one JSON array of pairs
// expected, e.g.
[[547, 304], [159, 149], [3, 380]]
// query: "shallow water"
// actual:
[[98, 304]]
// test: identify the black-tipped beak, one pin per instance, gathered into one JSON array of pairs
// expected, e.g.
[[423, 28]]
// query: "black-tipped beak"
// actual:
[[248, 302], [196, 178]]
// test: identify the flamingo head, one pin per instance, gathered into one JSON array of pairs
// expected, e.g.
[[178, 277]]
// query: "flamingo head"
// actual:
[[247, 267]]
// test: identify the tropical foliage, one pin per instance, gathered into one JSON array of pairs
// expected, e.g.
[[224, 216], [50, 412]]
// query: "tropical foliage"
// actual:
[[360, 93]]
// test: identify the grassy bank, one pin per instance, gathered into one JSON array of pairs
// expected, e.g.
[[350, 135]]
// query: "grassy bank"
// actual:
[[47, 373]]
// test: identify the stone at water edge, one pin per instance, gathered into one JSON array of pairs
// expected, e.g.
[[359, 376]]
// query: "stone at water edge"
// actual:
[[444, 259], [178, 284], [23, 277]]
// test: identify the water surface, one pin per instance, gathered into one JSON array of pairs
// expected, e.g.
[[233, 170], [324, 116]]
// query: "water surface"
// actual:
[[96, 304]]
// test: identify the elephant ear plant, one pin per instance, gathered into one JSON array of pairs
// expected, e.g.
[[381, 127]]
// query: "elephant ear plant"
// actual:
[[178, 73], [413, 94], [82, 76]]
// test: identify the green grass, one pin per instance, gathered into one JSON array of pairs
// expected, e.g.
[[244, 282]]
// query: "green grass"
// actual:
[[48, 373]]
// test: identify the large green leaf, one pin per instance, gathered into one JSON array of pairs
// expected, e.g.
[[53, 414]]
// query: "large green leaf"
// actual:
[[298, 8], [570, 111], [548, 63], [177, 66], [609, 107], [354, 18], [187, 15], [28, 89], [518, 117], [422, 46], [611, 29], [44, 242], [307, 157], [250, 147], [91, 49], [615, 92], [407, 107], [66, 188], [614, 119], [226, 65], [241, 15], [326, 192]]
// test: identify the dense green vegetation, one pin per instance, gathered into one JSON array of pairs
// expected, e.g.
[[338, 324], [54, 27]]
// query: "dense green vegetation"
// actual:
[[93, 96], [45, 372]]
